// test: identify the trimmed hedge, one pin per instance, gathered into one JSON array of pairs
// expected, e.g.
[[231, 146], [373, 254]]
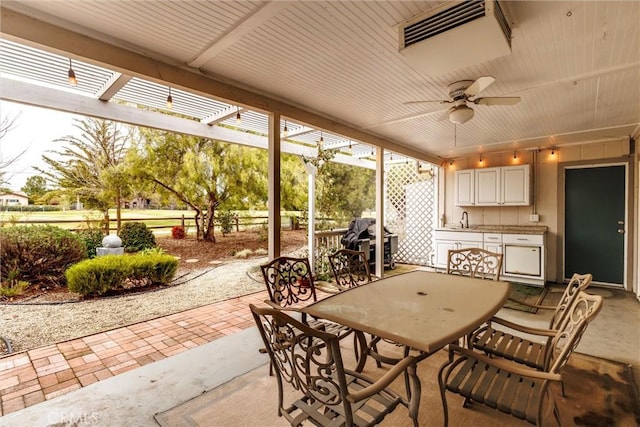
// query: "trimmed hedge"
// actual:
[[136, 237], [39, 254], [107, 273]]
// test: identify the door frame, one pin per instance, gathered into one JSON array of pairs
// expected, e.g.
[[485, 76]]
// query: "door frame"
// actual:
[[628, 217]]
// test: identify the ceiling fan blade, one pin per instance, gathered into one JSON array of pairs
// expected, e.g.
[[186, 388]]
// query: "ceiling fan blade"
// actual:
[[495, 100], [442, 101], [445, 114], [479, 85]]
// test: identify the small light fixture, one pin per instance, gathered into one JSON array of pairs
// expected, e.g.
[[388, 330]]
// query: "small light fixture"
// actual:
[[238, 116], [481, 159], [321, 142], [285, 131], [391, 157], [72, 75], [350, 147], [553, 152], [451, 162], [169, 100], [515, 156]]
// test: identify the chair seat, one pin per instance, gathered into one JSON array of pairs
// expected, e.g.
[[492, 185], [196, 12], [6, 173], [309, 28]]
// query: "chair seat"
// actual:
[[510, 393], [333, 328], [500, 343], [367, 412]]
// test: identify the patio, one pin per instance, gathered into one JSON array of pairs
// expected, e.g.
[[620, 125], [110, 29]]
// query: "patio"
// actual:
[[126, 375]]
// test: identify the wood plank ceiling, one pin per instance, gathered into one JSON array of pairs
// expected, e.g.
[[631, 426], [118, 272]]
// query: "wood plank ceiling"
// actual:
[[575, 64]]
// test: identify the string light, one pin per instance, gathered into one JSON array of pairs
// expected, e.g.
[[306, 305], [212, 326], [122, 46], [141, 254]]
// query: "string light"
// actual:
[[72, 75], [238, 116], [169, 100]]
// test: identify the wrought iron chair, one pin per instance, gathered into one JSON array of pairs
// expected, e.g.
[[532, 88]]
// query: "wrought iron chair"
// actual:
[[289, 281], [512, 387], [498, 342], [310, 360], [474, 262], [502, 343], [350, 268]]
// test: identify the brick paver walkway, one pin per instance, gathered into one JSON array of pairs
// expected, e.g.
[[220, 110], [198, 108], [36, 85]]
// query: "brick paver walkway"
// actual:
[[33, 376]]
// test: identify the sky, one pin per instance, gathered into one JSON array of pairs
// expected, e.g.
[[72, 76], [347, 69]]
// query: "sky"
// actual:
[[34, 129]]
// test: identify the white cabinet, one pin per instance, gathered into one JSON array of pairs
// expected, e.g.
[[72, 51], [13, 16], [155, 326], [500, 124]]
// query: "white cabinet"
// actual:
[[465, 188], [492, 242], [488, 186], [446, 240], [515, 185], [524, 254], [506, 185]]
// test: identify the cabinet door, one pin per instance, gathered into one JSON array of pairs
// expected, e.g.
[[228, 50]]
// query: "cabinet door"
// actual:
[[442, 252], [465, 187], [515, 185], [487, 187]]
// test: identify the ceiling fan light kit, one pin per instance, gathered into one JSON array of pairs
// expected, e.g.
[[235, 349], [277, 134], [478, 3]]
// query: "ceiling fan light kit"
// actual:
[[460, 114]]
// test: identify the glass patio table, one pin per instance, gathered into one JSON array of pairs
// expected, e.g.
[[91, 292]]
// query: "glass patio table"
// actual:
[[420, 309]]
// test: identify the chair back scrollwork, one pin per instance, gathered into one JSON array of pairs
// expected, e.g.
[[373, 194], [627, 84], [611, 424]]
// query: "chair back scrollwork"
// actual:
[[474, 262], [289, 281], [350, 268]]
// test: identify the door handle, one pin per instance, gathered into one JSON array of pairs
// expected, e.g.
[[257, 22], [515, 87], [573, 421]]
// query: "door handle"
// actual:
[[620, 230], [620, 222]]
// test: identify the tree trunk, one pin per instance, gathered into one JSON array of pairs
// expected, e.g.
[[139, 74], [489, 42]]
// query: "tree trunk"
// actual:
[[196, 219], [106, 222], [209, 227], [118, 212]]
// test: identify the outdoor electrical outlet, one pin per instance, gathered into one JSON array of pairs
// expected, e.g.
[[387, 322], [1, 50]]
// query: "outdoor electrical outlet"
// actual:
[[534, 217]]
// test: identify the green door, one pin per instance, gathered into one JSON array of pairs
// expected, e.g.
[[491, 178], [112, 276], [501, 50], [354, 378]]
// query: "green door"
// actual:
[[594, 223]]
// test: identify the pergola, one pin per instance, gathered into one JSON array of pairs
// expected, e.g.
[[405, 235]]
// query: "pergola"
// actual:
[[36, 77]]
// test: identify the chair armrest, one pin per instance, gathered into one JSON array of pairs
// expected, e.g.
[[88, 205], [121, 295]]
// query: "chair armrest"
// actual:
[[523, 328], [281, 308], [505, 365], [382, 382]]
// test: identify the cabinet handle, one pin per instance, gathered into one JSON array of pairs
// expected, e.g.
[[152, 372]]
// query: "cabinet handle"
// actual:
[[522, 239]]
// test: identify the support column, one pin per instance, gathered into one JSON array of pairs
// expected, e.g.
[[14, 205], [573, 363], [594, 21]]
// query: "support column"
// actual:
[[379, 212], [274, 185], [311, 221]]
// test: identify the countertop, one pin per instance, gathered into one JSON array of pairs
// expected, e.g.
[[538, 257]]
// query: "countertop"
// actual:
[[510, 229]]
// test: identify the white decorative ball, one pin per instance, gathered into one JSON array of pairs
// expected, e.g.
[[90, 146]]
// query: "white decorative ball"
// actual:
[[111, 241]]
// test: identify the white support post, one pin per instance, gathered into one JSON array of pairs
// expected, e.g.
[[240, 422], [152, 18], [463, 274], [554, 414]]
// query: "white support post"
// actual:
[[379, 212], [311, 221], [274, 185]]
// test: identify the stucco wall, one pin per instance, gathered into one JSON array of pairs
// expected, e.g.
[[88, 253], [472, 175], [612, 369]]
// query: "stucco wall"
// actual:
[[545, 195]]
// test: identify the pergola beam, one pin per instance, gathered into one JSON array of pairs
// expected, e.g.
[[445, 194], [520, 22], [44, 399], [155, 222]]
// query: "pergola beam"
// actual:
[[40, 96], [112, 86]]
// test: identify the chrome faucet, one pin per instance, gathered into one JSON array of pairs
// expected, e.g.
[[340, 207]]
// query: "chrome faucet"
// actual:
[[465, 218]]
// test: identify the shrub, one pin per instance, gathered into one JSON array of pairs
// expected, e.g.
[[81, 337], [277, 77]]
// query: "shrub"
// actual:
[[92, 239], [39, 254], [107, 273], [136, 237], [177, 232], [226, 219], [12, 286]]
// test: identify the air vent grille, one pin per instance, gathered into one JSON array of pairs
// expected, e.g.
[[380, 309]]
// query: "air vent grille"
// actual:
[[456, 16]]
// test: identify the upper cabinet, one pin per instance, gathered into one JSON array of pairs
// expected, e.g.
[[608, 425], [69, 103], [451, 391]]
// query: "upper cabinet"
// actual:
[[499, 186], [465, 187]]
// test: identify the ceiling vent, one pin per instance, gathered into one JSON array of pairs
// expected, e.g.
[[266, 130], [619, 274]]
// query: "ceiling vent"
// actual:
[[455, 35]]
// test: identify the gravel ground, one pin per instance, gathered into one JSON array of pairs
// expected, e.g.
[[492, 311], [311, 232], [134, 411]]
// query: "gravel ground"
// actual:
[[34, 325]]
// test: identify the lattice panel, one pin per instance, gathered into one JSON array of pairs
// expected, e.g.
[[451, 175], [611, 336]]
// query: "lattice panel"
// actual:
[[410, 211]]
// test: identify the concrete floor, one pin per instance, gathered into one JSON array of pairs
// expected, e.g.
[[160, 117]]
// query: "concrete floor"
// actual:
[[132, 398]]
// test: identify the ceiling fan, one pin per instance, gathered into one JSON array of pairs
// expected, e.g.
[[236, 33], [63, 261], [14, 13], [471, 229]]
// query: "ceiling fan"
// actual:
[[465, 91]]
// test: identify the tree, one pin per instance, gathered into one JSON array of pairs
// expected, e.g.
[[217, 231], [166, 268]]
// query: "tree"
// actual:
[[6, 125], [202, 173], [35, 187], [345, 191], [91, 166]]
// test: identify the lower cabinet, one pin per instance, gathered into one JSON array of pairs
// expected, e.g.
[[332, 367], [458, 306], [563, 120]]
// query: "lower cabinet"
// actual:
[[524, 255], [445, 240]]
